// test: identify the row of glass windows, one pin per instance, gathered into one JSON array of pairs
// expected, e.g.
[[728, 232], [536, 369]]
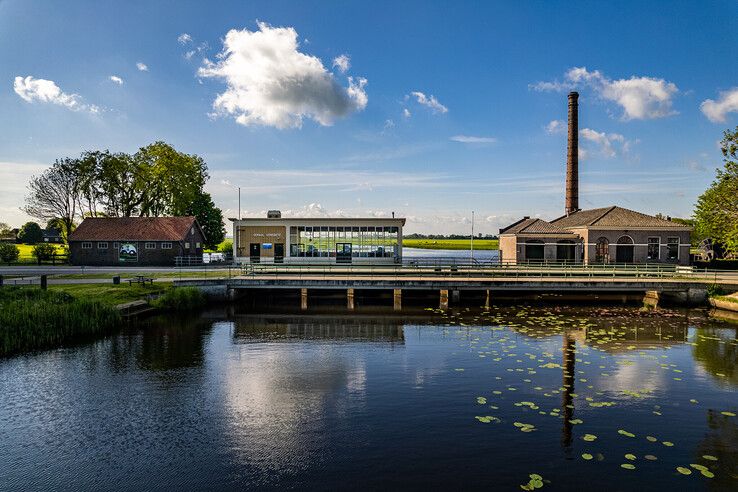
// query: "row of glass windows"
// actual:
[[602, 248], [354, 241]]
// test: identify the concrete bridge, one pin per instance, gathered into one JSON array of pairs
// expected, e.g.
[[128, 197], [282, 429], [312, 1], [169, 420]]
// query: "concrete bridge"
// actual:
[[684, 286]]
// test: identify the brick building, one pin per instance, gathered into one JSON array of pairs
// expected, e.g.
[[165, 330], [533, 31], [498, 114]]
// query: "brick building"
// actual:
[[599, 235], [137, 241]]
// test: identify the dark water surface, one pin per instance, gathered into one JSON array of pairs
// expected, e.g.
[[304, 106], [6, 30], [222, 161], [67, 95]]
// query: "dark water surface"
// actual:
[[469, 399]]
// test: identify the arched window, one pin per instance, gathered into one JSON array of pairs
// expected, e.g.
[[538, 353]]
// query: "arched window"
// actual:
[[624, 252], [602, 250]]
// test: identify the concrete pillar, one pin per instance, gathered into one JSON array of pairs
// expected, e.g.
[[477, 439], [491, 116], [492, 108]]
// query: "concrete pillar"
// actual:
[[350, 299], [455, 296], [486, 300], [444, 299], [303, 299], [651, 299], [397, 295]]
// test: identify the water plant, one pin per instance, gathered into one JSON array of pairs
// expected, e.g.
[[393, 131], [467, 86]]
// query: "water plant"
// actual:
[[32, 319], [181, 299]]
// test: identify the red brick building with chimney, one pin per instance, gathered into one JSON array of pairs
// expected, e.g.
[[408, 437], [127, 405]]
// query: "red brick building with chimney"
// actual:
[[135, 241], [601, 235]]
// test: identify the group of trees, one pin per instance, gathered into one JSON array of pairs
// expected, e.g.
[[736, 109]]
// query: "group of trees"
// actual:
[[716, 212], [155, 181]]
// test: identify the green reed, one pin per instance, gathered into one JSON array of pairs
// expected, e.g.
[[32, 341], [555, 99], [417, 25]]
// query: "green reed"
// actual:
[[33, 319], [181, 299]]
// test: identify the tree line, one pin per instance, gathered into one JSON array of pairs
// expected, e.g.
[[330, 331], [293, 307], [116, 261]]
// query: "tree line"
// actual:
[[155, 181], [716, 211]]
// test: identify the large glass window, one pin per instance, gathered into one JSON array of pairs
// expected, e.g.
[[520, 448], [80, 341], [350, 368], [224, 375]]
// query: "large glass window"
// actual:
[[654, 245], [602, 250], [366, 241]]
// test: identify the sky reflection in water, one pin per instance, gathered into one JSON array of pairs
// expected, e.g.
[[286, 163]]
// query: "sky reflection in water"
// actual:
[[464, 399]]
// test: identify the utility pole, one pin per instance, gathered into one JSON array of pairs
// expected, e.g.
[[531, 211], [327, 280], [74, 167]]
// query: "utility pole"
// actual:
[[239, 203], [472, 237]]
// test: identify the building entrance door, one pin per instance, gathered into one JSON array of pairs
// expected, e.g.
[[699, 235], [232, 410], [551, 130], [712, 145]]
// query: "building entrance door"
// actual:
[[343, 252], [255, 252], [278, 252], [624, 253]]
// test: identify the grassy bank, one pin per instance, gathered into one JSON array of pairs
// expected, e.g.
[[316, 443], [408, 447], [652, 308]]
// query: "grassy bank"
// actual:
[[479, 244], [32, 319], [109, 294]]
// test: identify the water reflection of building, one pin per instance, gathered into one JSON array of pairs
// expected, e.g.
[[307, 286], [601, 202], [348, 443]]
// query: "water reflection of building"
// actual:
[[360, 328]]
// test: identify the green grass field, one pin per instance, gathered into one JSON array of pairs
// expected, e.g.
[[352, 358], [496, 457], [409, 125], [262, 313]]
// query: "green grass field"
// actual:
[[479, 244], [110, 294], [26, 252]]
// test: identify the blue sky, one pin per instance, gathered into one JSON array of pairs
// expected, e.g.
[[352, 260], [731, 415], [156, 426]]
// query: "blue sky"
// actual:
[[442, 108]]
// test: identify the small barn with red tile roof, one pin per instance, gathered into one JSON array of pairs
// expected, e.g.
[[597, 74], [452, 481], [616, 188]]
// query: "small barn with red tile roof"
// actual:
[[141, 241]]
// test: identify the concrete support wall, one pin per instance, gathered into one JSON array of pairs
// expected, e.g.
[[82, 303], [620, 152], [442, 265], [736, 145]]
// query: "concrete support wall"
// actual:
[[397, 298]]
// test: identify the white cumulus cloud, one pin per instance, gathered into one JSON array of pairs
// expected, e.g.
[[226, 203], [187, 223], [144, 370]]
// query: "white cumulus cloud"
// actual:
[[473, 140], [31, 90], [406, 113], [430, 102], [184, 38], [607, 145], [342, 62], [142, 67], [115, 79], [639, 97], [716, 110], [271, 83]]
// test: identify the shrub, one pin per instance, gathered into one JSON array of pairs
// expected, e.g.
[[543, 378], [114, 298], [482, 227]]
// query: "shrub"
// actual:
[[8, 252], [44, 251], [715, 290], [226, 246], [181, 299]]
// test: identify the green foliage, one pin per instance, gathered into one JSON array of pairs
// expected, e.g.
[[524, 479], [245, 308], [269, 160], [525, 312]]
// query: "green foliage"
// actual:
[[44, 251], [714, 290], [32, 319], [8, 252], [209, 217], [716, 212], [226, 246], [30, 233], [4, 228], [181, 299]]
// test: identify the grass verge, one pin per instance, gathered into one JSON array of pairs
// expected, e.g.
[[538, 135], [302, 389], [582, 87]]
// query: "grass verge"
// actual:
[[109, 294], [479, 244]]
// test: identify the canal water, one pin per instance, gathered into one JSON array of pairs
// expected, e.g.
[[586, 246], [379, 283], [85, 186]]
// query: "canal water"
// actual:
[[567, 398]]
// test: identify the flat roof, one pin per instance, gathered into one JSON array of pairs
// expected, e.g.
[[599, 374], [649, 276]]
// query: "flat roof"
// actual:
[[327, 220]]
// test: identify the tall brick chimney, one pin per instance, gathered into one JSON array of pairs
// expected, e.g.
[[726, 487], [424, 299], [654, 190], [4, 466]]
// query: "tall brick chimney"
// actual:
[[572, 156]]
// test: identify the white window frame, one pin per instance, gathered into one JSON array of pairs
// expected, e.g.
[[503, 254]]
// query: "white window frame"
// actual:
[[102, 245], [187, 245], [86, 244], [678, 247], [197, 245], [658, 250], [150, 245], [166, 245], [116, 245]]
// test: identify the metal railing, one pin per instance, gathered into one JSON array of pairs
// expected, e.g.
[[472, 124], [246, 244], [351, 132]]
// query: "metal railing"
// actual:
[[436, 267]]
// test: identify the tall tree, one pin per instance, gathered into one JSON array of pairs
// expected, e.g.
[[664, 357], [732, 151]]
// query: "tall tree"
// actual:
[[30, 233], [55, 194], [122, 183], [209, 217], [716, 212]]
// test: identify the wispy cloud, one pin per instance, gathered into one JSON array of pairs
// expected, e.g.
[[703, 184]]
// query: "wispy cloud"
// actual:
[[116, 80], [142, 67], [34, 90], [639, 97], [184, 38], [555, 126], [468, 139], [429, 102], [342, 62]]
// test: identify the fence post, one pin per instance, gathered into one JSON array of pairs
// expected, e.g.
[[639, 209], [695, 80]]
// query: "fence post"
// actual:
[[1, 280], [43, 282]]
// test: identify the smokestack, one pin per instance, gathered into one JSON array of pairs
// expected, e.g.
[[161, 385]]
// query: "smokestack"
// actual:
[[572, 156]]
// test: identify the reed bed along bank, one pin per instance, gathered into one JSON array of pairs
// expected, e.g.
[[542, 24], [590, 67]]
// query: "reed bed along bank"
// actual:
[[180, 299], [32, 319]]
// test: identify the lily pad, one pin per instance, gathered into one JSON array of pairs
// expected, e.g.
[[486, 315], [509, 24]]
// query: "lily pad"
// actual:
[[683, 470], [628, 466]]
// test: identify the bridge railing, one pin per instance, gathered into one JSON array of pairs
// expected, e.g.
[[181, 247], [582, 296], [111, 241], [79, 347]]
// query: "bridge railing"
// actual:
[[438, 268]]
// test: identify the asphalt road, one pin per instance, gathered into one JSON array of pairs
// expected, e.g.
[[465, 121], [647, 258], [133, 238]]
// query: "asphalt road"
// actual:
[[34, 270]]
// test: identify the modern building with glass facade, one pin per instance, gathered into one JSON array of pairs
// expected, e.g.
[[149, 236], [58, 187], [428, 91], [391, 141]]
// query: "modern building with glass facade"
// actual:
[[317, 240]]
